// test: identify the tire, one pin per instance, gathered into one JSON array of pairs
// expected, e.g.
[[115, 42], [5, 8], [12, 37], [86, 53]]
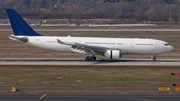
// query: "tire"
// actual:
[[87, 58], [92, 59], [154, 59]]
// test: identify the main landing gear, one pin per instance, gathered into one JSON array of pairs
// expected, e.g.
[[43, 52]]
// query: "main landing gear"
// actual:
[[90, 58]]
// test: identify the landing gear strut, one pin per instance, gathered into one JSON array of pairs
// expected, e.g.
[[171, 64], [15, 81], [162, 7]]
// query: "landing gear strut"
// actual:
[[154, 58], [90, 58]]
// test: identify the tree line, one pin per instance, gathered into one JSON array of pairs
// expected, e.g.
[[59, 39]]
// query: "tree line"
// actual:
[[139, 10]]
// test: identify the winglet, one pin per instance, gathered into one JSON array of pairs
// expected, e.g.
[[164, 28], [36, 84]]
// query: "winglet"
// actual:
[[19, 26]]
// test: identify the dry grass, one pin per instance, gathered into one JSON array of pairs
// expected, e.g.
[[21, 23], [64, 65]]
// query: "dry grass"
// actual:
[[10, 49], [128, 76]]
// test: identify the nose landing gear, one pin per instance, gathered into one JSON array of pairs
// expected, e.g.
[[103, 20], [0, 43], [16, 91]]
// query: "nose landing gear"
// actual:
[[154, 58]]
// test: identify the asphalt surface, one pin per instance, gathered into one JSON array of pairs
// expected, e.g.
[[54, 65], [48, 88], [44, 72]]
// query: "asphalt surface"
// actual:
[[90, 96], [81, 61], [98, 29]]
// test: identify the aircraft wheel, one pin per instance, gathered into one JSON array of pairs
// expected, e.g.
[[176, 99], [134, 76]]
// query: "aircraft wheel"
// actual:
[[93, 58], [154, 59], [87, 58]]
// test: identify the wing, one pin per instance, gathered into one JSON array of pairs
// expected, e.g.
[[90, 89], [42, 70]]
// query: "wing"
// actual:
[[83, 48]]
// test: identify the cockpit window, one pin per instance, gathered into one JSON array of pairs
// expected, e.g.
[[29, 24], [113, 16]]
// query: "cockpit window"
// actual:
[[167, 44]]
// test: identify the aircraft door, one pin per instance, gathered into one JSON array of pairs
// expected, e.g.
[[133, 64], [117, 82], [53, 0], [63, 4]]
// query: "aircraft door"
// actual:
[[156, 44], [132, 44], [42, 41]]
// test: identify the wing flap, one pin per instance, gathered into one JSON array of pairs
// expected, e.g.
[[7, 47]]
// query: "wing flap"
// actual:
[[85, 48]]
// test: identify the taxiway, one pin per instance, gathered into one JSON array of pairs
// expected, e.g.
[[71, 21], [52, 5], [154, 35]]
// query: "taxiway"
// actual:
[[89, 96]]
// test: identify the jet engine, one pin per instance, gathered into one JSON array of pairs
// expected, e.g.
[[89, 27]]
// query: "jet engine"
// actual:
[[113, 54]]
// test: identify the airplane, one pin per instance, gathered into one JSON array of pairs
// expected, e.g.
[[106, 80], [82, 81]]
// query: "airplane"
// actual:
[[111, 48]]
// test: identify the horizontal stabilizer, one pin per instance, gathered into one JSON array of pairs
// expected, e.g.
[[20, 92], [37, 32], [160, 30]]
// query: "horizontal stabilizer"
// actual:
[[22, 39]]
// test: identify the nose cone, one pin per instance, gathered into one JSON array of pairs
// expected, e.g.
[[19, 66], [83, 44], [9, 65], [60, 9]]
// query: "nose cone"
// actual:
[[170, 48]]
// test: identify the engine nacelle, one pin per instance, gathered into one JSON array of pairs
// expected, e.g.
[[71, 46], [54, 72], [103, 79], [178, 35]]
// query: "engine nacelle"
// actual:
[[112, 54]]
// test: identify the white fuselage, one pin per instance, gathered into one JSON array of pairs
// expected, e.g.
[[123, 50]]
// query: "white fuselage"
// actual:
[[126, 45]]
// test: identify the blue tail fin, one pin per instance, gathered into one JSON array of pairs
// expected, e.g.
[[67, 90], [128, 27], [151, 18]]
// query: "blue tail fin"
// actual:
[[19, 26]]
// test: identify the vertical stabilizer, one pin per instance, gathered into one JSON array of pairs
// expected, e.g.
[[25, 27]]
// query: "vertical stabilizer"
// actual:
[[19, 26]]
